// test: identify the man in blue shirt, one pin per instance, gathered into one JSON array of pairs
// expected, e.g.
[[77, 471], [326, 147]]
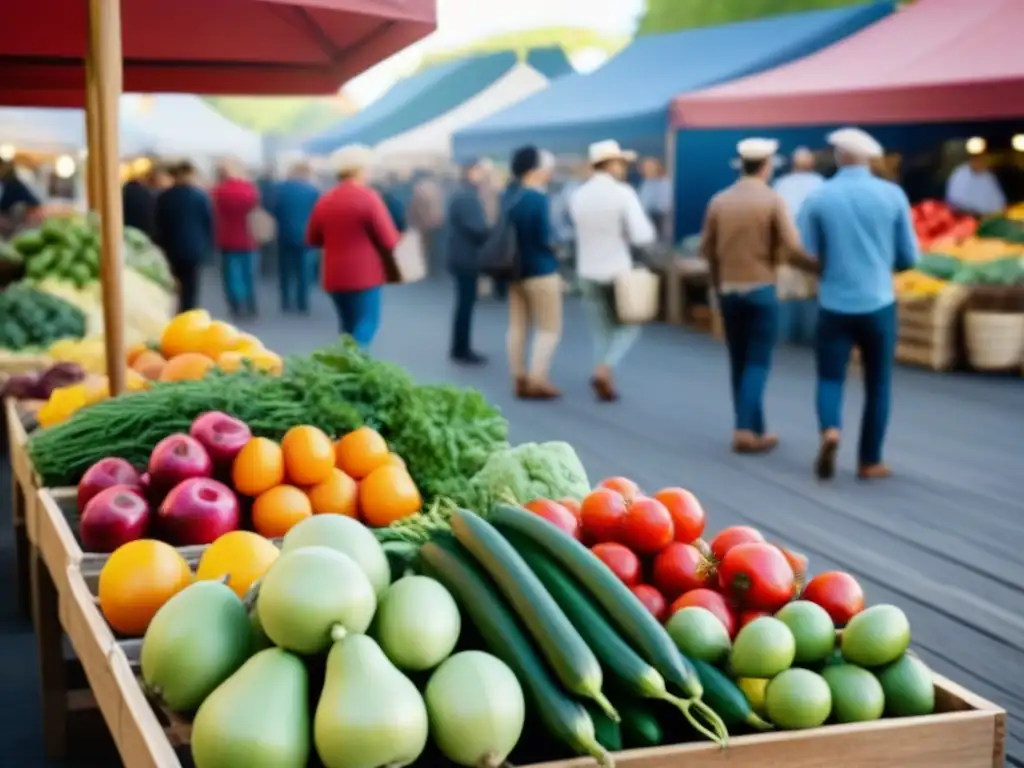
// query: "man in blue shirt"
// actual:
[[293, 200], [859, 227]]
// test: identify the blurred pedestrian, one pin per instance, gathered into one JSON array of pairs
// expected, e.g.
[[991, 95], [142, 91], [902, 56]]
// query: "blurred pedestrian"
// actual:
[[184, 230], [535, 295], [138, 200], [859, 227], [656, 195], [268, 255], [747, 233], [609, 222], [234, 200], [293, 202], [351, 224], [426, 214], [17, 200], [467, 231], [973, 188]]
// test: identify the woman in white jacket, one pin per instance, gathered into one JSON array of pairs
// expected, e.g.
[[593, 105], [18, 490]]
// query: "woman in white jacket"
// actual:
[[609, 220]]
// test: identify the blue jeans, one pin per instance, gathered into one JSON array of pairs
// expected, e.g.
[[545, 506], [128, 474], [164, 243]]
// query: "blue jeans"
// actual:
[[462, 322], [874, 333], [751, 324], [797, 321], [294, 275], [359, 314], [238, 272], [612, 340]]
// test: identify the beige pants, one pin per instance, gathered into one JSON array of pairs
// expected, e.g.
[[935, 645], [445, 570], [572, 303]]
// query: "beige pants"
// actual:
[[535, 302]]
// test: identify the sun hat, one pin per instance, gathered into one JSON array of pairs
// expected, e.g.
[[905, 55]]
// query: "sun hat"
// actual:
[[609, 149]]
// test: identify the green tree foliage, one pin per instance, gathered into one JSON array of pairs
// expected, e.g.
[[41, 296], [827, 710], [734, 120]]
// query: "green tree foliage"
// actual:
[[285, 114], [672, 15], [570, 39]]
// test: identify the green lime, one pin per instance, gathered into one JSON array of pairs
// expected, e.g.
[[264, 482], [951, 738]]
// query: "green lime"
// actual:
[[908, 687], [812, 628], [876, 636], [763, 648], [857, 695], [699, 634], [797, 699]]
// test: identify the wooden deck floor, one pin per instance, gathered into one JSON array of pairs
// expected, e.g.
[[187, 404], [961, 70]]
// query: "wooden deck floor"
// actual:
[[944, 539]]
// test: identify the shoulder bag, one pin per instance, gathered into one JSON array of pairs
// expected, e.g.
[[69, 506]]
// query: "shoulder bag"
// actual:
[[499, 256]]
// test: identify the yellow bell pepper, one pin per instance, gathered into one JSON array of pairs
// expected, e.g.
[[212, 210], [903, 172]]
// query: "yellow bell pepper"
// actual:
[[64, 402]]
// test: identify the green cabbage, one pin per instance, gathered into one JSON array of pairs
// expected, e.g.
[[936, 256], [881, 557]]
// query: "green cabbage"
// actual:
[[530, 471]]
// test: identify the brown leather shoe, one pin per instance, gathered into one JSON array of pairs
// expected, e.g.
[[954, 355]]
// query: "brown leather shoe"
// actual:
[[604, 389], [520, 387], [874, 472], [745, 441], [541, 390], [825, 464]]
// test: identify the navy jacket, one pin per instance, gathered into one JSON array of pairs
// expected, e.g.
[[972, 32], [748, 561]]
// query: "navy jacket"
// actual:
[[467, 229], [184, 224], [293, 201], [395, 208], [139, 207], [531, 216]]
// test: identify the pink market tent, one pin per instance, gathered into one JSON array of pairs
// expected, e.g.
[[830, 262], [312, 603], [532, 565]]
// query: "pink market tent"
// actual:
[[935, 61]]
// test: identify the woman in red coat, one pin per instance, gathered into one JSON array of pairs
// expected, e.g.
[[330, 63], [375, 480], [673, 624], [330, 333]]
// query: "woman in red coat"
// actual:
[[353, 227], [234, 200]]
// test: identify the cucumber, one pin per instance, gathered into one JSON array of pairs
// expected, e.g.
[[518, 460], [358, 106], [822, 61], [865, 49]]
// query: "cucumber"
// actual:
[[627, 613], [640, 728], [572, 660], [725, 697], [565, 719], [608, 732], [616, 656]]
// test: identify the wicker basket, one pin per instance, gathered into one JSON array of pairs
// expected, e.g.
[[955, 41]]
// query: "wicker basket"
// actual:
[[995, 340]]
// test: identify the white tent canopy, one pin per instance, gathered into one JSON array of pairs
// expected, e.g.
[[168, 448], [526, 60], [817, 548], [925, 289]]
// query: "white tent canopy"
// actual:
[[431, 141], [182, 125], [59, 130]]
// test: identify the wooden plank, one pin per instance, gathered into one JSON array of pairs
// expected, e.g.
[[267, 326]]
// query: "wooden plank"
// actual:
[[20, 502]]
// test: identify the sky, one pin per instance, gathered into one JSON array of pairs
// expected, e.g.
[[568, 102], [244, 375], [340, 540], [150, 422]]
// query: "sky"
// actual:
[[463, 21]]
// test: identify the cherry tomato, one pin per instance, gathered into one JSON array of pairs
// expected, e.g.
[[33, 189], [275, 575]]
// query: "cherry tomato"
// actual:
[[730, 537], [573, 505], [647, 527], [555, 513], [679, 567], [748, 616], [714, 602], [838, 593], [622, 485], [620, 560], [757, 576], [652, 600], [798, 562], [601, 514], [687, 513]]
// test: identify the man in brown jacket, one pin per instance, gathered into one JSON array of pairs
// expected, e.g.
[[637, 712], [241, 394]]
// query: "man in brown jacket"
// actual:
[[747, 234]]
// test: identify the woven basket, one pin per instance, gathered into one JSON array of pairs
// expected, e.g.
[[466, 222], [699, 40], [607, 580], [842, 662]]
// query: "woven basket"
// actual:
[[995, 340]]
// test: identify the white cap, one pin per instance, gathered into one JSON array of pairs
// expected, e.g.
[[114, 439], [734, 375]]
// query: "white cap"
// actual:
[[352, 158], [856, 142], [757, 149], [601, 151]]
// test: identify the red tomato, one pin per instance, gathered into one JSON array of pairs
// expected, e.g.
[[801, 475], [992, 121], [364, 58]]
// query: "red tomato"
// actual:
[[648, 526], [622, 485], [748, 616], [652, 600], [621, 560], [687, 513], [730, 537], [678, 568], [714, 602], [798, 562], [601, 514], [838, 593], [573, 505], [555, 513], [758, 576]]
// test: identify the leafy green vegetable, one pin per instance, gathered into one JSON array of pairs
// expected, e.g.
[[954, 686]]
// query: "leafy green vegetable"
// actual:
[[32, 318], [530, 471]]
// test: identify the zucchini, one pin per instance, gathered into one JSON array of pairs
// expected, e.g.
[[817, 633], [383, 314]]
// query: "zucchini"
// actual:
[[725, 697], [565, 719], [608, 732], [617, 657], [572, 660], [640, 728], [633, 620]]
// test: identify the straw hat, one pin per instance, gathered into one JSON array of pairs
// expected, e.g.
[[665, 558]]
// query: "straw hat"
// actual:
[[352, 159], [602, 151]]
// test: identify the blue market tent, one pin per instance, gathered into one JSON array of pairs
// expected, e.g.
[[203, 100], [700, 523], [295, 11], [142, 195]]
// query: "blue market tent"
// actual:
[[550, 62], [414, 101], [628, 99]]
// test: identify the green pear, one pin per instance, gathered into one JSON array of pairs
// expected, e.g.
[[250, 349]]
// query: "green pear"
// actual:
[[369, 713], [195, 642], [258, 718]]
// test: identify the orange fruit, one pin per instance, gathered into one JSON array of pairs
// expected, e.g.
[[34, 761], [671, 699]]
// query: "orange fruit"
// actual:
[[258, 467], [388, 494], [137, 579], [149, 364], [248, 343], [308, 455], [242, 556], [394, 458], [133, 352], [277, 510], [184, 333], [360, 452], [229, 362], [219, 337], [337, 495], [188, 366], [135, 382]]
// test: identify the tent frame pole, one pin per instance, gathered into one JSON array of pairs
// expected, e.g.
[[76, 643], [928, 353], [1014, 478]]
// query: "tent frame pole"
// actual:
[[671, 135], [105, 69]]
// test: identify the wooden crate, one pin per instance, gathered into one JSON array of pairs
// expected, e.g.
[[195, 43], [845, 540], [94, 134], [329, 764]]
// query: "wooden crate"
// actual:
[[17, 416], [928, 328], [966, 732], [17, 362]]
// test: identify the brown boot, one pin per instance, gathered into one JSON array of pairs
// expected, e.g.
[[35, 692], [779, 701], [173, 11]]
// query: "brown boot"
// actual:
[[825, 464], [604, 389], [874, 472], [520, 387], [540, 390], [745, 441]]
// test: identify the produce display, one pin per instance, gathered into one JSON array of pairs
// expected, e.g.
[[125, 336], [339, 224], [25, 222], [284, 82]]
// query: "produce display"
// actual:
[[40, 385], [31, 319], [934, 220]]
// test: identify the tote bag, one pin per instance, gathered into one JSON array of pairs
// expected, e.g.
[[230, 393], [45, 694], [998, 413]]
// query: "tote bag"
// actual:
[[406, 262], [635, 296]]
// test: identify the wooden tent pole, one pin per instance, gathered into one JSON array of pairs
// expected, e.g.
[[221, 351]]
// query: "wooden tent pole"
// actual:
[[108, 74], [92, 158]]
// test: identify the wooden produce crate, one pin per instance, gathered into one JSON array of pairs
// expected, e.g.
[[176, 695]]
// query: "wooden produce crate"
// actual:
[[18, 416], [18, 362], [929, 328], [966, 732]]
